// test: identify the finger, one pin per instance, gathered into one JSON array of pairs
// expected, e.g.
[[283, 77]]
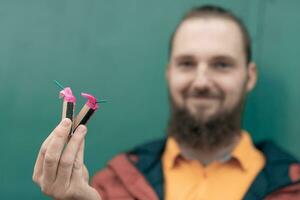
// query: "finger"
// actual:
[[38, 167], [79, 164], [54, 151], [66, 163], [79, 160]]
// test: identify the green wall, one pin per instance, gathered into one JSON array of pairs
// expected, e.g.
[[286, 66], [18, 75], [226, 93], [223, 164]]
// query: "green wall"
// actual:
[[118, 50]]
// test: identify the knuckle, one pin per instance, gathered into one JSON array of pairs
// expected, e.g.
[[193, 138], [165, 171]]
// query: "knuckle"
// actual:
[[77, 138], [65, 128], [46, 190], [65, 162], [61, 132], [50, 160], [77, 164], [43, 149], [35, 179]]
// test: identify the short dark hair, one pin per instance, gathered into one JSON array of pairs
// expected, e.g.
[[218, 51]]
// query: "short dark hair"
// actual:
[[211, 11]]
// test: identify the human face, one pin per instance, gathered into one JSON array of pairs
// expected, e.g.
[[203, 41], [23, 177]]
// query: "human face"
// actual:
[[208, 73]]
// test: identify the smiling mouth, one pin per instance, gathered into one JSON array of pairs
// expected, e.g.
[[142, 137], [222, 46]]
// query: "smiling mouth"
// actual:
[[202, 101], [203, 98]]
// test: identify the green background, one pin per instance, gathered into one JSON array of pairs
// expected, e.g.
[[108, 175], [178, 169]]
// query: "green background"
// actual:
[[117, 50]]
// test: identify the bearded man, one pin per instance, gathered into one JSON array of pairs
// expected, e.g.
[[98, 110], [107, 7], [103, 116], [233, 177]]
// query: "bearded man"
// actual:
[[206, 154]]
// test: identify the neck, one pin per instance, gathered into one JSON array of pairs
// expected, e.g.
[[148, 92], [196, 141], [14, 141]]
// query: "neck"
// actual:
[[205, 157]]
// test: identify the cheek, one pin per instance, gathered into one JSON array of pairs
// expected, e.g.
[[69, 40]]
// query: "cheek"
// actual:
[[178, 85], [234, 90]]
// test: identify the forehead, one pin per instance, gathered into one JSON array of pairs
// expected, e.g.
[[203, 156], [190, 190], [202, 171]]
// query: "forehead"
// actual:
[[209, 37]]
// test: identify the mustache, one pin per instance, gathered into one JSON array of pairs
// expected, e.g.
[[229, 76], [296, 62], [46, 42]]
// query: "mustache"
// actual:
[[204, 93]]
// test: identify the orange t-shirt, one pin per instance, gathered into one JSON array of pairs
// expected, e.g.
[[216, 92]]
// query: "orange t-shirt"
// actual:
[[189, 180]]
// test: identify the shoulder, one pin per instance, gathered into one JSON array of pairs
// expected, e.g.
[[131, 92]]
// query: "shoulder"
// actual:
[[279, 162], [273, 152], [280, 178]]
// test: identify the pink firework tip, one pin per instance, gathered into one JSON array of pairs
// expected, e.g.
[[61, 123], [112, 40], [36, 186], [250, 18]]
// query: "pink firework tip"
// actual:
[[92, 101], [67, 94]]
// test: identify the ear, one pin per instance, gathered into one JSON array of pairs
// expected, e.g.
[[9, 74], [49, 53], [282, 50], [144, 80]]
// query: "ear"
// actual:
[[252, 76]]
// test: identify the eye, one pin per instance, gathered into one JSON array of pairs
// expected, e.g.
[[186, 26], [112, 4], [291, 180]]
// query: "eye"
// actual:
[[186, 64], [222, 65]]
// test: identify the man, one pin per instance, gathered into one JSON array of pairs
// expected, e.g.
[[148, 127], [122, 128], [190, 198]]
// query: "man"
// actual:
[[206, 154]]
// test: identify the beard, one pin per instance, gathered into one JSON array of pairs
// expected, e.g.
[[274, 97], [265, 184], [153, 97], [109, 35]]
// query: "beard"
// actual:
[[205, 135]]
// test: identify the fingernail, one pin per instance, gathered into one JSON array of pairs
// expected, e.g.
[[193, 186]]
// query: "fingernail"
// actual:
[[81, 129], [66, 122]]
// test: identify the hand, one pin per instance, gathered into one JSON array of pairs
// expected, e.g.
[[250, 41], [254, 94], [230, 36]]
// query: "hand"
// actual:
[[59, 169]]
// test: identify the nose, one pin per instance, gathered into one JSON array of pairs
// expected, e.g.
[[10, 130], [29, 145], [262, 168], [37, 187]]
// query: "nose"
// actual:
[[202, 79]]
